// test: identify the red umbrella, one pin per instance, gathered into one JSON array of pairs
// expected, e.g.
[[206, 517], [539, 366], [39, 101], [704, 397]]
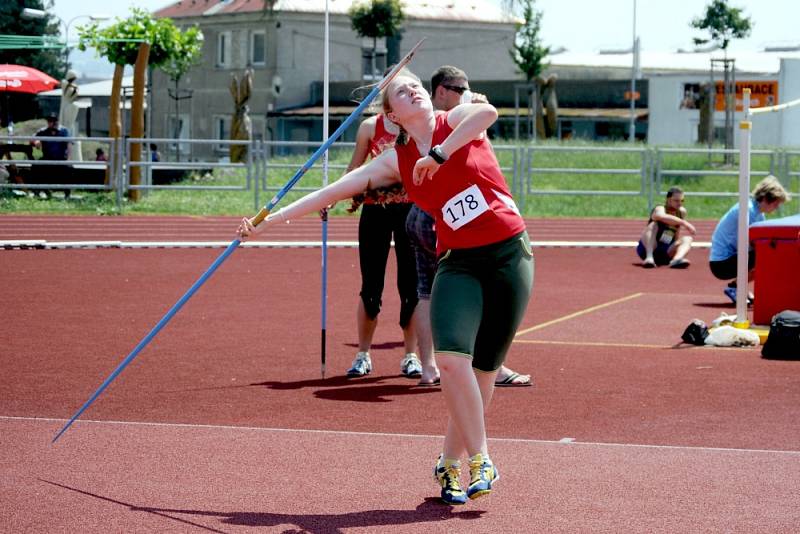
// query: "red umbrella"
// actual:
[[21, 79]]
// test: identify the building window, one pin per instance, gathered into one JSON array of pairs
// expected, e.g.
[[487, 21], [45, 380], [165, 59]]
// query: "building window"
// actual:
[[258, 48], [224, 43], [366, 59], [222, 132]]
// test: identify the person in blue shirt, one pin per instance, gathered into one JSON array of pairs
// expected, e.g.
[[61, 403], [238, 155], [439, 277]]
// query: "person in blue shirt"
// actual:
[[52, 150], [767, 197]]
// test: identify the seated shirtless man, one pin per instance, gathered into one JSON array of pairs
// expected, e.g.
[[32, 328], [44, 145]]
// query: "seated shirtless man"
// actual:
[[663, 241]]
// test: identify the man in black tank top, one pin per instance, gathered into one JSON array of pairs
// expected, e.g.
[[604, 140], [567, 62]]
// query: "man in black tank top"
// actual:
[[664, 240]]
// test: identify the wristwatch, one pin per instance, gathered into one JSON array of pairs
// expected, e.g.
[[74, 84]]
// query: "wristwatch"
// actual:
[[437, 155]]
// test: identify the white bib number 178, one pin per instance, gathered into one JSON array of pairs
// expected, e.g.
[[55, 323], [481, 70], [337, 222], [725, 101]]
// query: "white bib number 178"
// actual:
[[464, 207]]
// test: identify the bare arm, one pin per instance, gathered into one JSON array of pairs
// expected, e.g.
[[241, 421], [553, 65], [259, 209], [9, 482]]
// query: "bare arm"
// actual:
[[468, 121], [379, 172], [365, 132], [660, 215]]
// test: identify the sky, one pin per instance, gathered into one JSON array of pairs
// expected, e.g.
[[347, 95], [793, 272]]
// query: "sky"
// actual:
[[578, 25]]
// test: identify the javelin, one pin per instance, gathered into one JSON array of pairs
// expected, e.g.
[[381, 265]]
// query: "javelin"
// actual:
[[259, 217], [324, 274]]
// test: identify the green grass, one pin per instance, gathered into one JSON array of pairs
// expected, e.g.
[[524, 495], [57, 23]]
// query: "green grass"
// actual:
[[217, 202]]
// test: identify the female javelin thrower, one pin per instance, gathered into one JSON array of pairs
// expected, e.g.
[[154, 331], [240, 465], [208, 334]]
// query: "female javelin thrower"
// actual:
[[485, 272]]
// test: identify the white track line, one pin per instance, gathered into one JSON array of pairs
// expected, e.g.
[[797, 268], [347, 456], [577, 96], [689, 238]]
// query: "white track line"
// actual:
[[41, 243], [393, 435]]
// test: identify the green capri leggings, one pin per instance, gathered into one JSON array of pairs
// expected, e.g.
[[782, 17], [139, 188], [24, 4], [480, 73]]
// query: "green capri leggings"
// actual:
[[478, 300]]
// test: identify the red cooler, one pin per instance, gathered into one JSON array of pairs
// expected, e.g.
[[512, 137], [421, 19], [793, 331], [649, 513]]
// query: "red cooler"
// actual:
[[777, 277]]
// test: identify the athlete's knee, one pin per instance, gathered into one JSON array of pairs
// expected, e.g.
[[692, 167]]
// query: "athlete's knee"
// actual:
[[372, 304], [453, 362], [407, 307]]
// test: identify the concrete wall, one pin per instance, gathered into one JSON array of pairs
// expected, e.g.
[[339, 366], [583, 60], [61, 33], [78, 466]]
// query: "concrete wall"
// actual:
[[668, 124], [788, 121]]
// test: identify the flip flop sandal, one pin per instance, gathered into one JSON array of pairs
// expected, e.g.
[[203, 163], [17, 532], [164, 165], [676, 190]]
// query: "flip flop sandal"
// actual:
[[436, 383], [509, 382]]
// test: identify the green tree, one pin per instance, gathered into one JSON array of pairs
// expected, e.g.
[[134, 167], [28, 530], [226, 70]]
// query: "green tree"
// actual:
[[50, 61], [376, 18], [528, 54], [723, 23], [188, 53], [188, 46], [528, 51], [138, 40], [119, 42], [18, 106]]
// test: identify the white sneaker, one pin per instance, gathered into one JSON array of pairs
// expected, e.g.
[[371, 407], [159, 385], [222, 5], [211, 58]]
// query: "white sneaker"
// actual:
[[410, 366], [362, 365]]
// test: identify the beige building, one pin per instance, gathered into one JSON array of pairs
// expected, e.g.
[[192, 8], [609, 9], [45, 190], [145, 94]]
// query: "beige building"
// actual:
[[285, 50]]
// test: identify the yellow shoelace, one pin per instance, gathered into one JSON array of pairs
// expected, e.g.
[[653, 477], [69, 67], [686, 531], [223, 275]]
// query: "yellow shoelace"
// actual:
[[477, 468], [451, 478]]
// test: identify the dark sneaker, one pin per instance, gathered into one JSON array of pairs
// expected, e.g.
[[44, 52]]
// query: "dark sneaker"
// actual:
[[482, 475], [447, 476], [362, 365]]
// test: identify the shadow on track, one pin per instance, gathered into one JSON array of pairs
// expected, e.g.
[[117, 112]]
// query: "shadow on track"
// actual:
[[364, 389], [429, 511]]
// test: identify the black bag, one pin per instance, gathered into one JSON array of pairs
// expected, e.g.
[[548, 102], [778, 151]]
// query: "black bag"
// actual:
[[696, 333], [783, 341]]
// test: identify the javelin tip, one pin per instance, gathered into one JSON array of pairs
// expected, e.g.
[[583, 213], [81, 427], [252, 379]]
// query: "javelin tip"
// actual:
[[400, 64]]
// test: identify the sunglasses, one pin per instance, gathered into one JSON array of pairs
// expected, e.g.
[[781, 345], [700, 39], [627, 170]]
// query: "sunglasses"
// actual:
[[456, 88]]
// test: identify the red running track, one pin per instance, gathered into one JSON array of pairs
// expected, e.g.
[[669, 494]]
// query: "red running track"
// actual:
[[156, 228], [222, 424]]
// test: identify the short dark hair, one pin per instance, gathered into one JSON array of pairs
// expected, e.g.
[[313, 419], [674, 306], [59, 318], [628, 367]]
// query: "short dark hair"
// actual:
[[446, 74], [674, 190]]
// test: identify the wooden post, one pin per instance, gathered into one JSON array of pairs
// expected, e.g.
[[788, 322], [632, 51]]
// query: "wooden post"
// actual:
[[114, 119], [137, 117]]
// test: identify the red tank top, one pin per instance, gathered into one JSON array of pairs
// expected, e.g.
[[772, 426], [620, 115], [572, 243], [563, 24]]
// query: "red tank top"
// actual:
[[468, 196], [382, 139]]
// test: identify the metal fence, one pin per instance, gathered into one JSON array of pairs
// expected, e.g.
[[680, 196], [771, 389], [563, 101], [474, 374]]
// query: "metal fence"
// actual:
[[39, 175], [534, 175], [642, 172]]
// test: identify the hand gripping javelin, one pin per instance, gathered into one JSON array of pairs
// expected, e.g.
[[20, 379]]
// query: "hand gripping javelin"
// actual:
[[260, 216]]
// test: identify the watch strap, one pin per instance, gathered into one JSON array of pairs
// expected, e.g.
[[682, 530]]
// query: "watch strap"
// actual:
[[437, 155]]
